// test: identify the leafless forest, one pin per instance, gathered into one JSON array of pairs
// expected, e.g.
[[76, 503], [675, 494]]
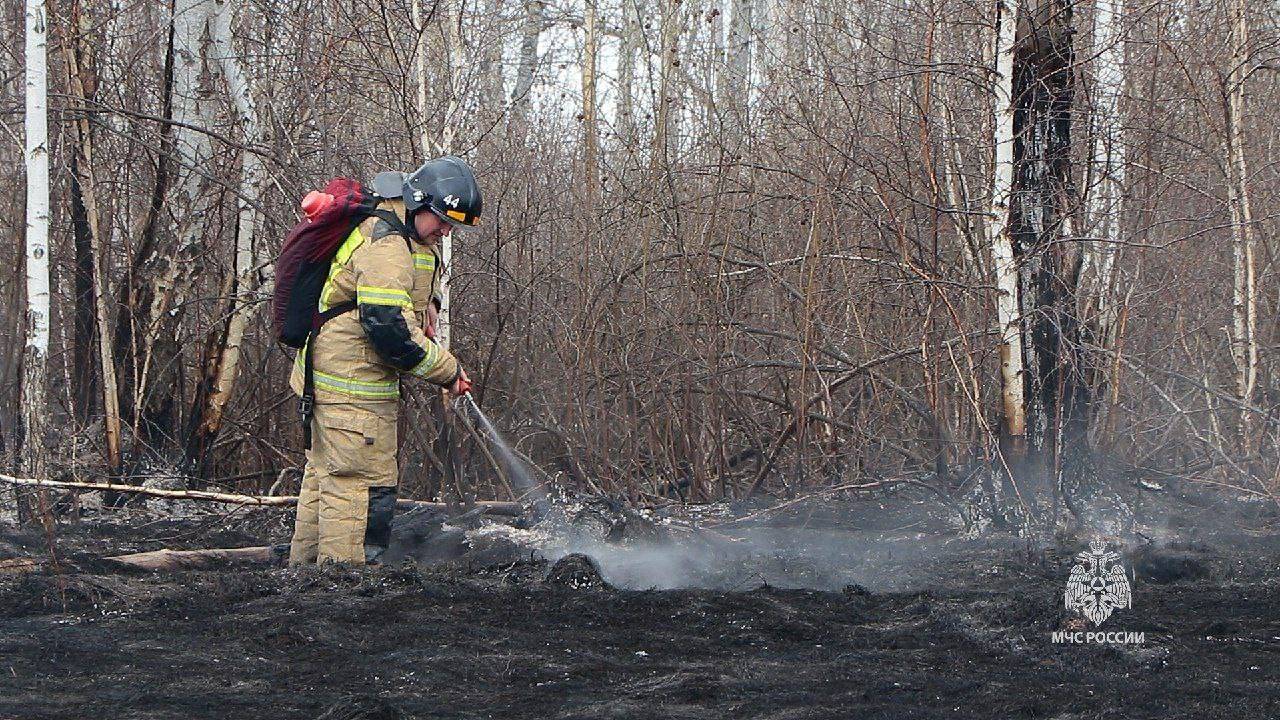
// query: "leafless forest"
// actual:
[[729, 246]]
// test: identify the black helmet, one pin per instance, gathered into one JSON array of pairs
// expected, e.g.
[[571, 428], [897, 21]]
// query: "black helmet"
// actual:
[[447, 187]]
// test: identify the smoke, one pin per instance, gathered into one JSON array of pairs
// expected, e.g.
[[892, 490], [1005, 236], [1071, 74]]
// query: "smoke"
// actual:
[[794, 558]]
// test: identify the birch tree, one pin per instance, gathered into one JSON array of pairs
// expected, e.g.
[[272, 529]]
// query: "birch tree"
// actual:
[[453, 119], [35, 407], [421, 77], [166, 265], [247, 261], [1244, 313], [999, 233], [1106, 201]]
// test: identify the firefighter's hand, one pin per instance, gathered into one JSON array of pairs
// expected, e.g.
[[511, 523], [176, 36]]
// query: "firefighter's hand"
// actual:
[[462, 385], [433, 319]]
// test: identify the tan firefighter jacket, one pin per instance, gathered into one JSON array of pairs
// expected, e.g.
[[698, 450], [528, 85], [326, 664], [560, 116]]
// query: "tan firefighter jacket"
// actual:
[[359, 355]]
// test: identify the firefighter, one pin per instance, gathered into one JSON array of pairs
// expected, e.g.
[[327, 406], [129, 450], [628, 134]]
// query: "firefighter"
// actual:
[[391, 270]]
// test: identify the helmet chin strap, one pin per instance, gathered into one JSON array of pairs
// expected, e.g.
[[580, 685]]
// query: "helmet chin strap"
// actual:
[[411, 227]]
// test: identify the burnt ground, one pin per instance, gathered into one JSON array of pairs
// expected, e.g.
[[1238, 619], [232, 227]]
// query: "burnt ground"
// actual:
[[913, 620]]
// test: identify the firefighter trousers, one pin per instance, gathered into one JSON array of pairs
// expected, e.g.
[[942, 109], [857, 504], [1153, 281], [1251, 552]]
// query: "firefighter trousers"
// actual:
[[348, 495]]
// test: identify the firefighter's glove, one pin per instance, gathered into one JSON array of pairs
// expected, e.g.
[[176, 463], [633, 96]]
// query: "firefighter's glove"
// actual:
[[461, 385]]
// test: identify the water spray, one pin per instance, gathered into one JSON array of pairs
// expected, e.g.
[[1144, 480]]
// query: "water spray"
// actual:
[[516, 468]]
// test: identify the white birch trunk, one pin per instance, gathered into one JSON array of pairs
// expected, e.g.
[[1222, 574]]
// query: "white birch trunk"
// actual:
[[421, 78], [453, 116], [1244, 324], [190, 23], [34, 368], [448, 138], [999, 236], [1106, 202], [246, 259]]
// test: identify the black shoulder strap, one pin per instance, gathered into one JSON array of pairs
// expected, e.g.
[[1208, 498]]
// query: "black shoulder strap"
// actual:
[[406, 231]]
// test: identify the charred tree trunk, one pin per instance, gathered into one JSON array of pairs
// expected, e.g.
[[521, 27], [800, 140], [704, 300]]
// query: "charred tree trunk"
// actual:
[[84, 378], [1047, 255]]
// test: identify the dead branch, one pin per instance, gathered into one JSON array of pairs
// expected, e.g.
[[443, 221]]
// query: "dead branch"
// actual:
[[172, 560], [15, 566], [491, 507]]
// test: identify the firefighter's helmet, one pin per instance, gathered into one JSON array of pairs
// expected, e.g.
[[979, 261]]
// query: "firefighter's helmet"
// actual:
[[445, 186]]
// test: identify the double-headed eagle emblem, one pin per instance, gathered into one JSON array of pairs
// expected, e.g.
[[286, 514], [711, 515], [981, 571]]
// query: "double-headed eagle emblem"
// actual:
[[1098, 585]]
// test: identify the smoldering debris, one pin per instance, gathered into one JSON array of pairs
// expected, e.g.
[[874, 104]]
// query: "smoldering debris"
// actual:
[[641, 550], [894, 544]]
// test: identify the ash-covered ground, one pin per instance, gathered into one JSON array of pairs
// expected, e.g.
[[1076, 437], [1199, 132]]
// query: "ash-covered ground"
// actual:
[[872, 608]]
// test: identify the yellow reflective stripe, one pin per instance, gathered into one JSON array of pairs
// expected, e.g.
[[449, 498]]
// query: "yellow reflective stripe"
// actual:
[[429, 362], [389, 389], [367, 295], [424, 261], [380, 391], [348, 247], [343, 256]]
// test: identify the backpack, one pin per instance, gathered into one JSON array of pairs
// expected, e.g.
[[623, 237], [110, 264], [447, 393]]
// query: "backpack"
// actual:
[[303, 266]]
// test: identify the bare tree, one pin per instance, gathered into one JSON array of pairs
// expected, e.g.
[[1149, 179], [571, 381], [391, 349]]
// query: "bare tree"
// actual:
[[81, 80], [35, 404], [1000, 234], [590, 125], [240, 300], [1244, 325]]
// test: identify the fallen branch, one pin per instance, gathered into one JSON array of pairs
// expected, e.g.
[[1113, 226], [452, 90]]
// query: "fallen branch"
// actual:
[[171, 560], [155, 492], [14, 566], [492, 507]]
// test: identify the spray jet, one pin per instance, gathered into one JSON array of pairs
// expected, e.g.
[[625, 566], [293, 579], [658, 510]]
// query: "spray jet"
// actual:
[[513, 466]]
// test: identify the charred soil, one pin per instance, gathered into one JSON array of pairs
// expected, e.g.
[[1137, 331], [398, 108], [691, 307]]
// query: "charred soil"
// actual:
[[956, 628]]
